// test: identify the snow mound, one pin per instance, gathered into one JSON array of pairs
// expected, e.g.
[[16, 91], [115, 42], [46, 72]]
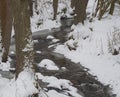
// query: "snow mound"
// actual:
[[48, 64], [50, 37], [53, 93], [59, 84], [55, 40], [5, 66], [38, 52], [24, 86]]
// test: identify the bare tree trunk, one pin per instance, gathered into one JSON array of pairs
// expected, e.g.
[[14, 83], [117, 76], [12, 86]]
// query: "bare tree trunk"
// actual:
[[36, 5], [31, 7], [101, 9], [6, 26], [112, 7], [55, 7], [103, 6], [80, 11], [23, 36], [73, 3], [0, 30], [97, 8]]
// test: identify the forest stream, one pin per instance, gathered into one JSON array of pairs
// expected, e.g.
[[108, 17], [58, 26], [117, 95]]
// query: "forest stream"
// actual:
[[86, 84]]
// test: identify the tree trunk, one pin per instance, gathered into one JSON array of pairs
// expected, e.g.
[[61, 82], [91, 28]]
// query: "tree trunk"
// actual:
[[112, 7], [31, 7], [0, 30], [36, 5], [55, 7], [73, 3], [6, 27], [23, 36], [103, 6], [80, 11]]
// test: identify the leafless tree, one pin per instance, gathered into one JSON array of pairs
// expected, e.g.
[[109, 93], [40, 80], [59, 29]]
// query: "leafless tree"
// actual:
[[103, 6], [55, 7], [80, 11], [23, 37], [112, 7], [73, 3], [6, 26]]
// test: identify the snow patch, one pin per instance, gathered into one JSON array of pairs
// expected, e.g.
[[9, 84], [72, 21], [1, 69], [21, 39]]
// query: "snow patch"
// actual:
[[48, 64], [60, 84], [24, 86]]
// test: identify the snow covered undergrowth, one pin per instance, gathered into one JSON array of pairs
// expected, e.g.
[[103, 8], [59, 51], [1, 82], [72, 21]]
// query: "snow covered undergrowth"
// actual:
[[96, 45]]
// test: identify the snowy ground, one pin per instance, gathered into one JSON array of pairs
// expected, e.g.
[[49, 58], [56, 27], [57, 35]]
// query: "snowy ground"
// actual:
[[95, 44]]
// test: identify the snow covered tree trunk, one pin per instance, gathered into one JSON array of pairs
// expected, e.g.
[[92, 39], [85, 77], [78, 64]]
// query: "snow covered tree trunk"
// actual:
[[6, 27], [55, 7], [80, 11]]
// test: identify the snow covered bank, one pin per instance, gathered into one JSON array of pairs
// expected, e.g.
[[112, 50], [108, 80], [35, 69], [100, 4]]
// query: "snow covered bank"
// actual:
[[96, 46], [24, 86]]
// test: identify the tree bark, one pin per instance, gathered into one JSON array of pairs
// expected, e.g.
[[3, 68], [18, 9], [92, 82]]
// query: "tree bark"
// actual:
[[73, 3], [23, 36], [80, 11], [23, 39], [6, 27], [112, 7], [31, 7], [103, 6], [0, 30], [55, 7]]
